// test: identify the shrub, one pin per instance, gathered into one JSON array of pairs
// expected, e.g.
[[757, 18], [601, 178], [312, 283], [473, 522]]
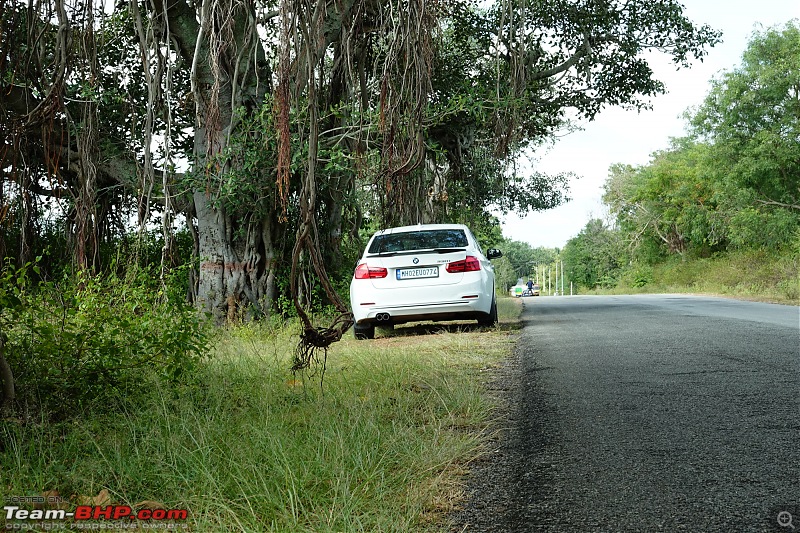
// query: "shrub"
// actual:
[[638, 276], [80, 343]]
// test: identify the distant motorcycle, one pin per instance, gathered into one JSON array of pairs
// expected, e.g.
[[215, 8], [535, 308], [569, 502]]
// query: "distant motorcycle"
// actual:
[[533, 291]]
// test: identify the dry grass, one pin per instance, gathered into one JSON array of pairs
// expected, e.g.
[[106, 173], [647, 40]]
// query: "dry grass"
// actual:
[[382, 444]]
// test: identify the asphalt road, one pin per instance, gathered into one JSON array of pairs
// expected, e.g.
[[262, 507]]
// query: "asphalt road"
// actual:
[[645, 413]]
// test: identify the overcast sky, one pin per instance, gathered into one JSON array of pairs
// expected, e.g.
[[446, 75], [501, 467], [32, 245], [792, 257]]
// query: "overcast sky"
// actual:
[[629, 137]]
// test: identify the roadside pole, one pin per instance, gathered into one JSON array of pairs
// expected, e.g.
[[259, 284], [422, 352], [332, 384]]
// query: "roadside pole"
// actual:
[[556, 278], [548, 281]]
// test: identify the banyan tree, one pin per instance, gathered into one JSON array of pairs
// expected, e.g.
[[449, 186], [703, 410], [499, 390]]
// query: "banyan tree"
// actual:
[[274, 131]]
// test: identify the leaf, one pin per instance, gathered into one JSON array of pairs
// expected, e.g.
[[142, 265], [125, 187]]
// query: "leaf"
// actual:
[[149, 504], [102, 499], [52, 500]]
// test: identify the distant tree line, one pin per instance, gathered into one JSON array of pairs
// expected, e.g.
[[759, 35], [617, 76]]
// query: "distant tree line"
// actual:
[[520, 261], [732, 184]]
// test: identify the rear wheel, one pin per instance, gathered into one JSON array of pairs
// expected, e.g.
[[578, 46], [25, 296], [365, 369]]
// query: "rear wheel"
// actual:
[[491, 318], [364, 332]]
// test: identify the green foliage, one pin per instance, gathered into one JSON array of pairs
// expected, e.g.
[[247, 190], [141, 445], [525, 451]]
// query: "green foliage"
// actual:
[[756, 228], [734, 184], [673, 201], [752, 116], [690, 216], [255, 449], [594, 258], [637, 276], [247, 183], [505, 276], [521, 257], [12, 283], [80, 344], [520, 260], [487, 109], [757, 274]]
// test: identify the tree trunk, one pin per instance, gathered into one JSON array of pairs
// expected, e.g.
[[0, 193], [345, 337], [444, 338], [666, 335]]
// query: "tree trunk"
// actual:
[[211, 295], [6, 378], [229, 73], [237, 276]]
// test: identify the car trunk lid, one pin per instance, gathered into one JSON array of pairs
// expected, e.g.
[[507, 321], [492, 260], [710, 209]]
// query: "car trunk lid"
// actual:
[[418, 268]]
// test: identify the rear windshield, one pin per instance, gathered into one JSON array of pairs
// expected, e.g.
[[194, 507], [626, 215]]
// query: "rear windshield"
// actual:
[[418, 240]]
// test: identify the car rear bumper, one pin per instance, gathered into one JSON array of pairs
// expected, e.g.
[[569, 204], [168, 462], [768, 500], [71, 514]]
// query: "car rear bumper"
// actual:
[[459, 310], [465, 302]]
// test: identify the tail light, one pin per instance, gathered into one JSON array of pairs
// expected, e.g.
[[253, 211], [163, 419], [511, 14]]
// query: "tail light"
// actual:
[[468, 264], [364, 271]]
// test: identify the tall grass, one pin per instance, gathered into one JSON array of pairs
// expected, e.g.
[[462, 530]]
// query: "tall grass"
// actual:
[[378, 445], [752, 274]]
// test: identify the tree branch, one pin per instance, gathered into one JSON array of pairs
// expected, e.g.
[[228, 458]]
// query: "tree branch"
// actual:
[[779, 204], [582, 51]]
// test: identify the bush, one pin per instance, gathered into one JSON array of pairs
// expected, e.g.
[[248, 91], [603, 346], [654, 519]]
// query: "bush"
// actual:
[[637, 276], [81, 343]]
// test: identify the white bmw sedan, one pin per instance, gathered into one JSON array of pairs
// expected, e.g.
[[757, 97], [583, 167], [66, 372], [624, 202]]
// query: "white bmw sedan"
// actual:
[[420, 273]]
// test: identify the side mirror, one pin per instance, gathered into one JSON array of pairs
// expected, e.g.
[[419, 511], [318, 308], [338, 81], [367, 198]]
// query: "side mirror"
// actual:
[[493, 253]]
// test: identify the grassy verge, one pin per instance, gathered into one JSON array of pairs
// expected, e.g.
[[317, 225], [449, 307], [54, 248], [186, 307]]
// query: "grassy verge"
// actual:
[[754, 275], [380, 446]]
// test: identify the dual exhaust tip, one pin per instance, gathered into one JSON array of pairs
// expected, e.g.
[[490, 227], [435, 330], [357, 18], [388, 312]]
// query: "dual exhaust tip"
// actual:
[[382, 317]]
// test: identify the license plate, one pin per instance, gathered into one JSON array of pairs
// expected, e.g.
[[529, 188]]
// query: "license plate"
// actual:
[[417, 273]]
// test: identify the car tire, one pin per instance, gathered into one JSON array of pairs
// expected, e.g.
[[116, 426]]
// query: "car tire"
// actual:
[[491, 318], [364, 332]]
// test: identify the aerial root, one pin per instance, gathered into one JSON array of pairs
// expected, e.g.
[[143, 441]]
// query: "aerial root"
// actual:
[[314, 339]]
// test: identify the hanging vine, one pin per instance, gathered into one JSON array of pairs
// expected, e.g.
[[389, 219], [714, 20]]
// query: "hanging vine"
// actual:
[[302, 31], [399, 35], [405, 85], [158, 58]]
